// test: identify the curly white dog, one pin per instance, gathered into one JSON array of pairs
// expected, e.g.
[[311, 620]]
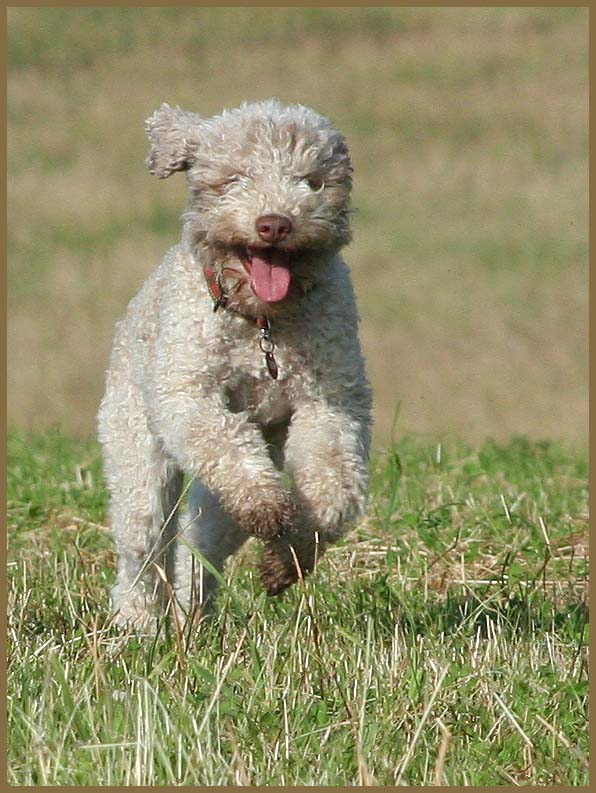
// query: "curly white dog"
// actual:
[[237, 360]]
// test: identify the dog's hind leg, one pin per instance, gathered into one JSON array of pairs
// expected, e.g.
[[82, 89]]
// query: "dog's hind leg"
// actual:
[[212, 533], [145, 487]]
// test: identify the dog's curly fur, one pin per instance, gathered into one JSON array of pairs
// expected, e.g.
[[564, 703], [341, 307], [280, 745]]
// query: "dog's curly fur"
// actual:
[[187, 388]]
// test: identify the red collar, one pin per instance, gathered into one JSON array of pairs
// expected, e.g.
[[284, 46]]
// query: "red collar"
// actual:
[[214, 286], [219, 297]]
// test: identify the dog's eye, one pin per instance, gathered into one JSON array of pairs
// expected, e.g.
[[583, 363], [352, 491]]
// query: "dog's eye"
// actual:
[[314, 182], [219, 185], [231, 179]]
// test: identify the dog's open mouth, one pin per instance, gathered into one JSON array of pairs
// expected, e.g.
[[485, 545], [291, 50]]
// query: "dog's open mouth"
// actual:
[[269, 272]]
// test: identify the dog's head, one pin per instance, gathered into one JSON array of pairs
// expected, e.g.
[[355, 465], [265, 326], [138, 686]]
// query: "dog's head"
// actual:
[[269, 194]]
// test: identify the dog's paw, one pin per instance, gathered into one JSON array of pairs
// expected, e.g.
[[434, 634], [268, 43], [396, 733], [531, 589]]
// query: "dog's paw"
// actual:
[[135, 621], [268, 521], [288, 559]]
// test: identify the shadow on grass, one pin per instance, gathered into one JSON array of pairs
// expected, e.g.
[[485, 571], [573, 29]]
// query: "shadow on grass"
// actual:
[[490, 610]]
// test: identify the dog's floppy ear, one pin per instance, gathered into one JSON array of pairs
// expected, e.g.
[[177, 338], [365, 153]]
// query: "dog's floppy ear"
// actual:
[[173, 134]]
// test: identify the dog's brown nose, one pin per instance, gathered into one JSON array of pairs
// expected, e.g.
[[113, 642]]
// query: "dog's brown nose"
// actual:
[[273, 228]]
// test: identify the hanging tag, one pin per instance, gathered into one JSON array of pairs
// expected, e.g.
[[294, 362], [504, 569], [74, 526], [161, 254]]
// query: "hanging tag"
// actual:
[[271, 365]]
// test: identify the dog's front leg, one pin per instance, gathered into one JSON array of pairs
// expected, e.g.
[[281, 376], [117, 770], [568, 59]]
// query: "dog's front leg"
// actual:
[[327, 455], [229, 455]]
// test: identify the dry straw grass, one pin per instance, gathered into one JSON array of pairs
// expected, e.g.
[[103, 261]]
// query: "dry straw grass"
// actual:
[[443, 642], [468, 129]]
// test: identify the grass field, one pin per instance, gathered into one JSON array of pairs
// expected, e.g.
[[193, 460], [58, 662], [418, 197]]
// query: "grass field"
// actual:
[[443, 642], [469, 135]]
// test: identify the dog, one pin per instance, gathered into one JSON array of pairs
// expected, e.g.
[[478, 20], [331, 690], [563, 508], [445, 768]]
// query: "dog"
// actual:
[[238, 364]]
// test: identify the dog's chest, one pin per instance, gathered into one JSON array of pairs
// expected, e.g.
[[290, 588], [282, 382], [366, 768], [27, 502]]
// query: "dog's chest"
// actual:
[[250, 385], [265, 403]]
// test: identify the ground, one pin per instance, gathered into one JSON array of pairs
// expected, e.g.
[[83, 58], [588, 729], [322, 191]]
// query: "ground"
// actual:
[[468, 129], [444, 640]]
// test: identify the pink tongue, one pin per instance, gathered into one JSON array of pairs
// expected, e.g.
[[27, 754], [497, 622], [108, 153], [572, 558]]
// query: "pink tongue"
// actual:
[[270, 278]]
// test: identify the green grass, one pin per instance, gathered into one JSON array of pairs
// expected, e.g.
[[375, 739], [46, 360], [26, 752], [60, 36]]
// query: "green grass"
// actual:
[[444, 641]]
